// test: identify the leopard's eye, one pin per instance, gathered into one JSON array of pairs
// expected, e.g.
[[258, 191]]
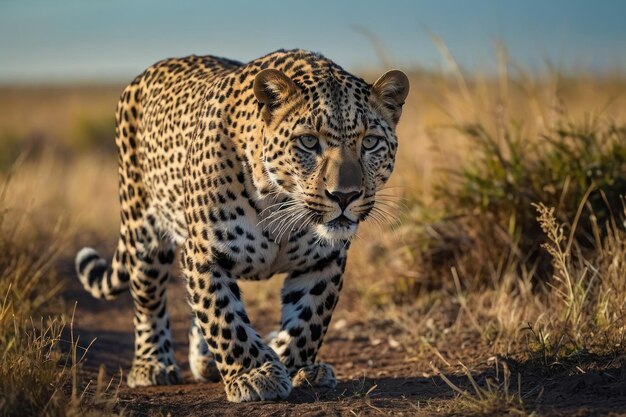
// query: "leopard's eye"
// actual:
[[370, 142], [308, 141]]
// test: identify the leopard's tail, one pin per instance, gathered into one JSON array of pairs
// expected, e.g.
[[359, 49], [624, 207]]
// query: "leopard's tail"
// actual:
[[97, 277], [100, 280]]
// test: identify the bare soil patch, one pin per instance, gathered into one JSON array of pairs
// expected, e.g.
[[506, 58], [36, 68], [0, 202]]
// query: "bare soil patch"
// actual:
[[377, 376]]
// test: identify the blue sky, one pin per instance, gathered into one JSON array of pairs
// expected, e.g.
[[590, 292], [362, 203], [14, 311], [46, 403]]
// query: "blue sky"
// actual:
[[85, 40]]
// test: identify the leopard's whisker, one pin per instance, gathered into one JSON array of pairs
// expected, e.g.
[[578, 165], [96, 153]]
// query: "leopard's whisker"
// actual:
[[398, 203], [376, 219], [277, 223], [287, 224], [384, 213], [308, 220], [388, 218], [285, 216], [389, 206], [280, 205]]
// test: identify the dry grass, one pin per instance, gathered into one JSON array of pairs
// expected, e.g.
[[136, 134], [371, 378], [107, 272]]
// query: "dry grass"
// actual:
[[39, 367], [476, 270], [495, 396], [464, 268]]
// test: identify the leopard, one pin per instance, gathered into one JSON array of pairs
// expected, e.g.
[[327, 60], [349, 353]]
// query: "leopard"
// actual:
[[243, 171]]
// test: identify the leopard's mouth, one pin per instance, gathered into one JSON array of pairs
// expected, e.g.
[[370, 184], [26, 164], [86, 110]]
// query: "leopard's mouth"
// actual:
[[340, 228], [341, 222]]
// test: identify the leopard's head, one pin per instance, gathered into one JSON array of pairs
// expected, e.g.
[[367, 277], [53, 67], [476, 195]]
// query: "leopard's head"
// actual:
[[329, 144]]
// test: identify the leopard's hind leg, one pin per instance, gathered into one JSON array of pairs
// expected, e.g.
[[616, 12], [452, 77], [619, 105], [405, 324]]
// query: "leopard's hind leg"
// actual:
[[147, 252], [201, 361], [154, 362]]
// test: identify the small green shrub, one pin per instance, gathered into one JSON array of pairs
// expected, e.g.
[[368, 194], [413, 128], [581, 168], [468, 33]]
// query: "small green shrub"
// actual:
[[563, 167]]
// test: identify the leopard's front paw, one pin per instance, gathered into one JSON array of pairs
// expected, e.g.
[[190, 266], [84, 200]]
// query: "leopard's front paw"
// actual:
[[270, 381], [316, 375], [146, 373]]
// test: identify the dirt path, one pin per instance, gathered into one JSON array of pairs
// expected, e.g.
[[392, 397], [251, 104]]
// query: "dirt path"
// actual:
[[376, 377], [370, 383]]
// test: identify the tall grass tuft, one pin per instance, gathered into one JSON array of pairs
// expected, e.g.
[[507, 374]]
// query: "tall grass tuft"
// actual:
[[37, 374], [586, 296]]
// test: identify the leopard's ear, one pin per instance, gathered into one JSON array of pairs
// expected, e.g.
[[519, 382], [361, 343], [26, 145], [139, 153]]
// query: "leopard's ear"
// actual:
[[392, 88], [271, 88]]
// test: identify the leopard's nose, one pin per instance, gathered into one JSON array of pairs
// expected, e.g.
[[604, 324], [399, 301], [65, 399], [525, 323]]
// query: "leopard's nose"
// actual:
[[342, 198]]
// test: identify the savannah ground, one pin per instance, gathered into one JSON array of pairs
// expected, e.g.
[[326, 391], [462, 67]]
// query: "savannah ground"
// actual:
[[467, 299]]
